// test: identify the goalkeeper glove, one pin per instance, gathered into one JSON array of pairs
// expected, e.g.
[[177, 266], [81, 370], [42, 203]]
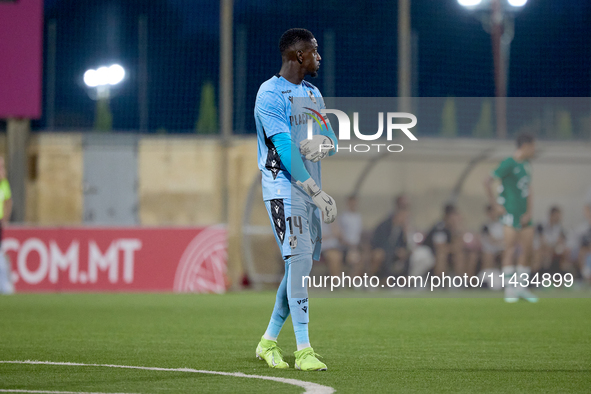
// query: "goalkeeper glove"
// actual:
[[317, 148], [322, 200]]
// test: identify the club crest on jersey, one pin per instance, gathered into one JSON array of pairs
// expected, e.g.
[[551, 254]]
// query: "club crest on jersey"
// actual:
[[312, 96], [290, 99]]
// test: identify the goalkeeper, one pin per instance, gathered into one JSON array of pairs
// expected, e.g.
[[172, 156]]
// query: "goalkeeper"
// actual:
[[290, 167]]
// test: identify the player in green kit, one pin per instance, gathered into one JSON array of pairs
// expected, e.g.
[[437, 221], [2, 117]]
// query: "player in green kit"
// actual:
[[514, 206]]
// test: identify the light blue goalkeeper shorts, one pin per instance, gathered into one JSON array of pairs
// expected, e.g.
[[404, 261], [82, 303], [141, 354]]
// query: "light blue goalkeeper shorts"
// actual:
[[297, 227]]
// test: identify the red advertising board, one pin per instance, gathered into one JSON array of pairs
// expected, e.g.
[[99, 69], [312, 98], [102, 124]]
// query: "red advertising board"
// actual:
[[21, 50], [117, 259]]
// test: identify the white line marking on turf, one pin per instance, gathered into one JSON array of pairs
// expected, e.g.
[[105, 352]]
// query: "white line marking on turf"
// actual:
[[52, 392], [311, 388]]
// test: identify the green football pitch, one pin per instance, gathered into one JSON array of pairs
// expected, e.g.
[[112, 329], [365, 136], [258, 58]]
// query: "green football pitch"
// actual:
[[369, 344]]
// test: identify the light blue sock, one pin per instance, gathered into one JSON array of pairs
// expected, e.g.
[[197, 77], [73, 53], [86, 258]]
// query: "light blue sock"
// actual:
[[273, 329], [280, 310], [301, 334], [298, 266]]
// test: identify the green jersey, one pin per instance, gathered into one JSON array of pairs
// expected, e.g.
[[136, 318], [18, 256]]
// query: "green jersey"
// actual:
[[515, 183], [4, 195]]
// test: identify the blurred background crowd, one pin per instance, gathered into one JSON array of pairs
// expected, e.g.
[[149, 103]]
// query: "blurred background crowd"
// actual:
[[396, 247]]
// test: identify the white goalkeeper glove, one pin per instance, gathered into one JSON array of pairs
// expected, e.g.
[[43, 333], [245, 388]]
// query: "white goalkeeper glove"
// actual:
[[317, 148], [322, 200]]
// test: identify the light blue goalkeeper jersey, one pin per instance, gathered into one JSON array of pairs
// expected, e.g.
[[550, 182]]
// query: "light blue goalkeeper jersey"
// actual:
[[276, 111]]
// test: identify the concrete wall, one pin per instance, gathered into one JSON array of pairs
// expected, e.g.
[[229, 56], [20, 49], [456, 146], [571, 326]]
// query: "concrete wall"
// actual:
[[179, 181], [55, 184]]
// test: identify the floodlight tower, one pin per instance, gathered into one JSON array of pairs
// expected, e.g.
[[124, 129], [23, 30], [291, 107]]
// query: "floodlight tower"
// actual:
[[99, 83], [497, 17]]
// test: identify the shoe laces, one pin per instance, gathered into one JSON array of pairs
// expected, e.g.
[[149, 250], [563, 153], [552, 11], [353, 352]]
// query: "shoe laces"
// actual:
[[275, 348], [311, 353]]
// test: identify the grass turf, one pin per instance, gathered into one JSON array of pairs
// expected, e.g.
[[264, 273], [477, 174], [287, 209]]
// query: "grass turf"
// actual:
[[369, 344]]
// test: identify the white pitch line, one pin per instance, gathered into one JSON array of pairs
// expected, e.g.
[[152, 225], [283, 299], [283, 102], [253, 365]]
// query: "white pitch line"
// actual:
[[311, 388], [52, 392]]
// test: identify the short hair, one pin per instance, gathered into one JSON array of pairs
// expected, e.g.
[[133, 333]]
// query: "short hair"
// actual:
[[292, 37], [524, 138], [449, 209]]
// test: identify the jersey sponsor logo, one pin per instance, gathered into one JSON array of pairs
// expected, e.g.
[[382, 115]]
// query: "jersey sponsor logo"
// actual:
[[296, 120], [286, 91]]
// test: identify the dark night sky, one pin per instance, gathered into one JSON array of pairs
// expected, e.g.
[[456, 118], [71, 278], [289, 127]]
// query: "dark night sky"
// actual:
[[550, 55]]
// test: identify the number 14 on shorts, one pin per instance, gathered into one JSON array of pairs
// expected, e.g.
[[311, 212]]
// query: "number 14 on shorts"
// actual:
[[295, 221]]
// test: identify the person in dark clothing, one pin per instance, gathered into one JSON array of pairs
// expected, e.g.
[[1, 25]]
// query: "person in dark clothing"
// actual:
[[389, 242], [445, 241]]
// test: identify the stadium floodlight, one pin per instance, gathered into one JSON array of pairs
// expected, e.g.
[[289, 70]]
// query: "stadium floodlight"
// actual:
[[116, 74], [517, 3], [470, 3], [101, 80], [104, 76], [91, 78]]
